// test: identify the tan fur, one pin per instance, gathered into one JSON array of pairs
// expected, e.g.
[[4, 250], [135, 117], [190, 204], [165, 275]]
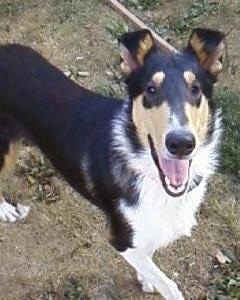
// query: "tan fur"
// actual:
[[127, 65], [145, 46], [214, 62], [10, 159], [189, 77], [152, 121], [198, 118], [198, 47], [208, 61], [158, 78]]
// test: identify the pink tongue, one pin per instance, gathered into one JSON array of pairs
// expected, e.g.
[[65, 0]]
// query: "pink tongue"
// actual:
[[176, 170]]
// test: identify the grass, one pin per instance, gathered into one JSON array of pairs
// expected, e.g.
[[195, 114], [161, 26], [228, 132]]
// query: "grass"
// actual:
[[115, 28], [11, 8], [184, 19], [59, 252], [141, 4], [230, 160], [70, 288], [228, 285], [40, 176], [196, 10], [70, 11]]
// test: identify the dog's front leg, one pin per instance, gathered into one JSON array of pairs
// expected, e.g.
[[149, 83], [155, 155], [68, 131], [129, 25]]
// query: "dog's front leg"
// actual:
[[10, 213], [144, 265]]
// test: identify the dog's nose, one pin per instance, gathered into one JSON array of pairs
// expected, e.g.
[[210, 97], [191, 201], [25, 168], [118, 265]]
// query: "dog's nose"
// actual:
[[180, 143]]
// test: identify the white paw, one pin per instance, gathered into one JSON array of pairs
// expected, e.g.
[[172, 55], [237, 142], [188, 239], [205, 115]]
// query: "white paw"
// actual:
[[146, 286], [10, 213], [175, 293], [23, 210]]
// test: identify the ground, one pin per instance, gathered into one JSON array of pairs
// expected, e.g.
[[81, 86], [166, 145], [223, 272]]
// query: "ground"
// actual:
[[60, 251]]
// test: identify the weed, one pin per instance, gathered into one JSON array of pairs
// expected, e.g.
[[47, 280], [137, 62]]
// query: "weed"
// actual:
[[69, 289], [74, 290], [197, 9], [11, 8], [71, 10], [141, 4], [228, 285], [40, 176], [113, 85], [116, 28]]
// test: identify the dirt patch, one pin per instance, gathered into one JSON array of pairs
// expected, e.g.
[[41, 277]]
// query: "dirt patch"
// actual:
[[60, 251]]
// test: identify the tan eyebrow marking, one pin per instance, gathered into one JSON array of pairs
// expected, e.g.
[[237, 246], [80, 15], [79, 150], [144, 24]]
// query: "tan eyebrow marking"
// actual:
[[158, 78], [189, 77]]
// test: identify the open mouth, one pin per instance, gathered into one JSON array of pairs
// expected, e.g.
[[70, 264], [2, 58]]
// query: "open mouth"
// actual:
[[174, 173]]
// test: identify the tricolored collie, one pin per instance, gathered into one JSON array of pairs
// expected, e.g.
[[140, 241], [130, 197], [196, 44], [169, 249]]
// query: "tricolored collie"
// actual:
[[145, 161]]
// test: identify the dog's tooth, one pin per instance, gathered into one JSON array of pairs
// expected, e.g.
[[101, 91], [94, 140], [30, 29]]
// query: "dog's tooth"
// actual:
[[172, 189], [181, 188], [167, 180]]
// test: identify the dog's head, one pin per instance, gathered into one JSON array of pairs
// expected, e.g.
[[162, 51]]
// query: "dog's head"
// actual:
[[171, 94]]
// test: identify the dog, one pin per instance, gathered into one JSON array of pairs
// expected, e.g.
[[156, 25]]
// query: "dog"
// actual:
[[144, 162]]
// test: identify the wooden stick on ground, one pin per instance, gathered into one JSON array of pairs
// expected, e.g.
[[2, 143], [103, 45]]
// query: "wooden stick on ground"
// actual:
[[162, 44]]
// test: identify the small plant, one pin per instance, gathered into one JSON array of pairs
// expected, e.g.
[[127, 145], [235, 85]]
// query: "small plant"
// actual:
[[70, 289], [141, 4], [11, 7], [196, 10], [116, 28], [228, 285], [40, 177], [74, 290]]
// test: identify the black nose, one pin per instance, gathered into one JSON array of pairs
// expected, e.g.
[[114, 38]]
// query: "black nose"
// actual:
[[180, 143]]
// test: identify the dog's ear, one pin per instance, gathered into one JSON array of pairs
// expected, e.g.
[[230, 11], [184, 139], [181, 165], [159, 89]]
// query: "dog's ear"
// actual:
[[134, 47], [208, 46]]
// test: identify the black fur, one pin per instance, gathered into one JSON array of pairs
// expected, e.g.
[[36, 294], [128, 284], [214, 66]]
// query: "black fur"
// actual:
[[68, 123], [74, 126]]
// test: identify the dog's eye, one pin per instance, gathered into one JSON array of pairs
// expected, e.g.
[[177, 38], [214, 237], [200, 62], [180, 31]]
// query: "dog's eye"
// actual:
[[151, 90], [195, 89]]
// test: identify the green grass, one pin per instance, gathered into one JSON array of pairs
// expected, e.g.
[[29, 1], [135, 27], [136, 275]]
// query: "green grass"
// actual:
[[230, 158], [228, 285], [141, 4], [40, 177], [11, 7], [71, 11], [195, 11], [184, 19], [115, 28], [70, 289], [74, 290]]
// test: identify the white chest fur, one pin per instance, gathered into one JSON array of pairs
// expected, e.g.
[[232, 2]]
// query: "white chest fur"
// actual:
[[159, 219]]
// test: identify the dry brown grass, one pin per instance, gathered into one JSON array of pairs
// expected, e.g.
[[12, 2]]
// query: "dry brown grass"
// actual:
[[60, 251]]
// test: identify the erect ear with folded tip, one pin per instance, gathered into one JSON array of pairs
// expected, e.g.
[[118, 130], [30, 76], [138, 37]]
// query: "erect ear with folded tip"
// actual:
[[208, 47], [134, 47]]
